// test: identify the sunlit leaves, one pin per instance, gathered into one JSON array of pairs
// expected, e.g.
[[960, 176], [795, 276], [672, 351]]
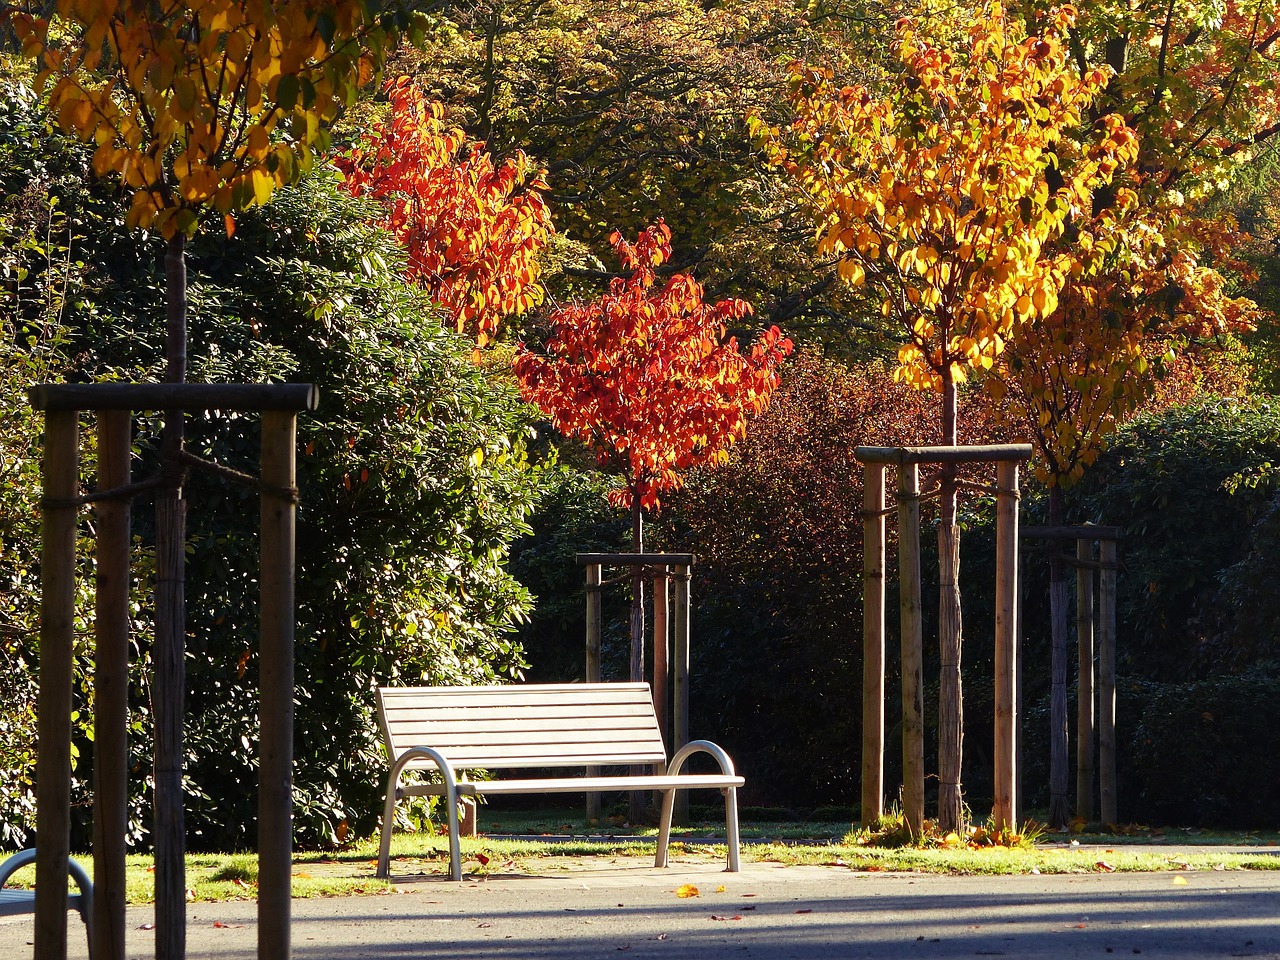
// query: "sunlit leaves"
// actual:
[[646, 377], [203, 103], [945, 194], [473, 230]]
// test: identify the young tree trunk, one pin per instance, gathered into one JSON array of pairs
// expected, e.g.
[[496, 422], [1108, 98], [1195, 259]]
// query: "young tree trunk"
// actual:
[[950, 695], [637, 596], [636, 806], [1059, 774], [170, 640]]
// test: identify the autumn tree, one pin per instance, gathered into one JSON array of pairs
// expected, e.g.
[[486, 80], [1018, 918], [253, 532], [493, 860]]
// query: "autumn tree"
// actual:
[[637, 107], [473, 229], [1146, 281], [944, 196], [198, 106], [646, 378]]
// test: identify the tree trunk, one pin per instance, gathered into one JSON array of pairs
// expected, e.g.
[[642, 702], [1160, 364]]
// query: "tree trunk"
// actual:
[[636, 807], [170, 676], [1059, 772], [637, 596], [950, 694]]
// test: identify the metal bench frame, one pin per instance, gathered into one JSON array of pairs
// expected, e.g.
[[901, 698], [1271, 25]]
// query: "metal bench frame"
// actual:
[[583, 725], [16, 902]]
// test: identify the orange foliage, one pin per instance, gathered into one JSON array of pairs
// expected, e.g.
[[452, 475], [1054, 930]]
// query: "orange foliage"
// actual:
[[202, 103], [473, 230], [645, 376]]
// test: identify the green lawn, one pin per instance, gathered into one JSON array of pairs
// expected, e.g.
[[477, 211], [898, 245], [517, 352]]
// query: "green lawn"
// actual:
[[549, 841]]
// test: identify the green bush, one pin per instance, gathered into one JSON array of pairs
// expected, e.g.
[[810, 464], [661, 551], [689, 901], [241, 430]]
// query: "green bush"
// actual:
[[414, 478], [1207, 752]]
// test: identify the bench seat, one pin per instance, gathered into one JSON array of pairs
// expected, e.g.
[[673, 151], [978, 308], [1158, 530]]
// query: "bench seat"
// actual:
[[535, 726]]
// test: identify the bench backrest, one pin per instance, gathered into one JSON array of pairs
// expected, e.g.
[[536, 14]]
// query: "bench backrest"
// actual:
[[525, 725]]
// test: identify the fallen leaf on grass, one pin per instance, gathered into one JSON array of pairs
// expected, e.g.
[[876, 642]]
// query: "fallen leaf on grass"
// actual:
[[1105, 867], [686, 890], [300, 875], [484, 861]]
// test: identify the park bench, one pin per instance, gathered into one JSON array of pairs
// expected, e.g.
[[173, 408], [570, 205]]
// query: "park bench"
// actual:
[[454, 730], [16, 902]]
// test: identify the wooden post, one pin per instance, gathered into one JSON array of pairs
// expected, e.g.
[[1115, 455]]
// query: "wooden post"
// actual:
[[1005, 812], [111, 689], [661, 651], [594, 621], [169, 681], [680, 676], [873, 596], [912, 630], [57, 636], [1107, 554], [276, 618], [1084, 685]]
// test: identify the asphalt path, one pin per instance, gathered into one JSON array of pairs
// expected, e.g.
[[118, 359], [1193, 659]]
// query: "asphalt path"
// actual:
[[621, 909]]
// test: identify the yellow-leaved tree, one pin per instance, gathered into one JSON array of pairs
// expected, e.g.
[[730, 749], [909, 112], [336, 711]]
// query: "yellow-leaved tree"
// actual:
[[198, 107], [945, 197]]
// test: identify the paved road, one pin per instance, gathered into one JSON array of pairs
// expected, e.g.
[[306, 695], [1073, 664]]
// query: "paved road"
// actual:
[[767, 912]]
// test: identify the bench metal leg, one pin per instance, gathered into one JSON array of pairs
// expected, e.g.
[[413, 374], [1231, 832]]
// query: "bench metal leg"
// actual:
[[451, 809], [731, 825], [664, 827]]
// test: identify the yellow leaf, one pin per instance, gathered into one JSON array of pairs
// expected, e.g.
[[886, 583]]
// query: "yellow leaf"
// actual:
[[262, 186], [687, 890], [1179, 881]]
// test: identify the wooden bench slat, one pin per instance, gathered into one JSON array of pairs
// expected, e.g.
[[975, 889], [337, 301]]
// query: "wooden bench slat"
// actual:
[[508, 711], [499, 696], [453, 725], [533, 745], [515, 756]]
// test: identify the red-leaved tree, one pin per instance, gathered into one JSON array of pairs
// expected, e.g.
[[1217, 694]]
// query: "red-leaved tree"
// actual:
[[473, 230], [647, 377]]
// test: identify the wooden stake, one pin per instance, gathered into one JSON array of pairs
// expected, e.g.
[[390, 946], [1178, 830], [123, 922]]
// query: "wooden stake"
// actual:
[[276, 613], [873, 597], [168, 699], [680, 676], [661, 666], [912, 630], [1005, 812], [1084, 685], [111, 689], [594, 621], [661, 651], [1107, 682], [57, 624]]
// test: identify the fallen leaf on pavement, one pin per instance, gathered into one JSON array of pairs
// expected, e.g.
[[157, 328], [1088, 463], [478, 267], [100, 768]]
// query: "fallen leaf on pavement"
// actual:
[[686, 890]]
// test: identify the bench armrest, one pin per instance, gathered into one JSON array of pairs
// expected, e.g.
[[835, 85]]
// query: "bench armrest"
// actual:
[[24, 857], [450, 801], [16, 863], [701, 746]]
